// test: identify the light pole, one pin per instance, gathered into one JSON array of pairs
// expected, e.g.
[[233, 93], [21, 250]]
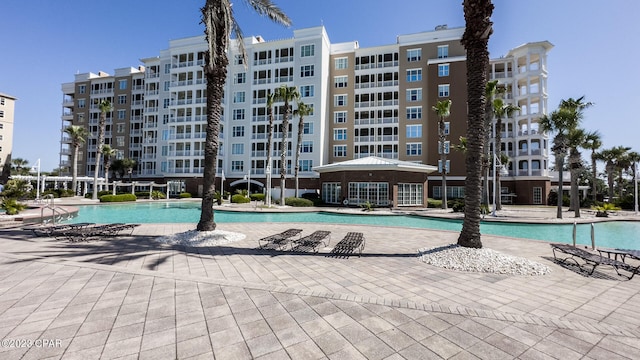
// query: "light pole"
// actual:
[[37, 169], [635, 184], [497, 166], [268, 185]]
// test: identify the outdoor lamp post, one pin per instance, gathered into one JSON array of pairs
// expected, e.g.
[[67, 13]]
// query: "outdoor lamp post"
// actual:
[[497, 166], [268, 185], [635, 185], [36, 169]]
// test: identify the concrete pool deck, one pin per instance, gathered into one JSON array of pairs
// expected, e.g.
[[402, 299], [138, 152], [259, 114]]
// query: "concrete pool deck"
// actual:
[[129, 297]]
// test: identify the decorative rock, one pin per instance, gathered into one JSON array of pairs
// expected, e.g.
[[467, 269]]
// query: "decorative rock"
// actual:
[[193, 238]]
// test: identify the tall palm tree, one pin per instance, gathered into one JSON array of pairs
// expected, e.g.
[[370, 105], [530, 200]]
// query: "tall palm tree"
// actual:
[[128, 165], [302, 111], [478, 28], [107, 152], [78, 136], [270, 100], [19, 166], [219, 22], [576, 138], [612, 158], [500, 110], [443, 110], [593, 142], [105, 107], [288, 94]]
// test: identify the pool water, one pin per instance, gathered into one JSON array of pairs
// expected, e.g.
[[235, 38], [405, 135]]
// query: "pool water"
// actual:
[[618, 234]]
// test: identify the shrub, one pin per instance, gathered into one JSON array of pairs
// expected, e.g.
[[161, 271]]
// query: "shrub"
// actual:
[[240, 199], [552, 200], [627, 202], [298, 202], [257, 197], [315, 197], [142, 194], [367, 206], [89, 195], [184, 195], [457, 205], [433, 203], [603, 210], [218, 197], [118, 198], [11, 206], [156, 195]]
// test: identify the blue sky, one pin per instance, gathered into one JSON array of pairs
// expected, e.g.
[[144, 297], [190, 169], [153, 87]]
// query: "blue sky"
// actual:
[[46, 42]]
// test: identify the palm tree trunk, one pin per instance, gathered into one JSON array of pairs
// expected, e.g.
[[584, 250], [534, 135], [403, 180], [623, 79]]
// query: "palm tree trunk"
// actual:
[[283, 153], [560, 163], [498, 152], [74, 177], [594, 175], [475, 40], [574, 165], [298, 150], [216, 78], [268, 169], [101, 128]]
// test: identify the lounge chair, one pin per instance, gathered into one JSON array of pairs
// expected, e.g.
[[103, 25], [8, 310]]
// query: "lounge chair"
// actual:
[[592, 259], [51, 230], [312, 241], [352, 242], [90, 232], [278, 241]]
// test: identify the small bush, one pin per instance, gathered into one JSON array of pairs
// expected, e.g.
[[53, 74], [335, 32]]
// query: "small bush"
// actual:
[[184, 195], [156, 195], [298, 202], [433, 203], [239, 199], [457, 205], [257, 197], [89, 195], [12, 206], [118, 198], [367, 206], [142, 194]]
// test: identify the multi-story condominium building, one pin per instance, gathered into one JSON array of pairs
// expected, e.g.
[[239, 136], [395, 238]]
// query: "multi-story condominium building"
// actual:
[[374, 101], [7, 114]]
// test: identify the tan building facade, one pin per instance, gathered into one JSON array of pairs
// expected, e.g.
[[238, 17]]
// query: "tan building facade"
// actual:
[[7, 116]]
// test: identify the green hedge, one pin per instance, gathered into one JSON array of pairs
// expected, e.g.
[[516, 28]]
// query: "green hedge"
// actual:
[[257, 197], [142, 194], [89, 195], [184, 195], [239, 199], [432, 203], [118, 198], [298, 202]]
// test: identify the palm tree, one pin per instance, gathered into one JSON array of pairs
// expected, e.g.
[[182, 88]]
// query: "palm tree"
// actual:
[[270, 100], [593, 142], [105, 107], [287, 94], [477, 15], [78, 136], [443, 110], [611, 158], [302, 111], [576, 138], [19, 166], [108, 152], [500, 110], [489, 93], [217, 16], [128, 165]]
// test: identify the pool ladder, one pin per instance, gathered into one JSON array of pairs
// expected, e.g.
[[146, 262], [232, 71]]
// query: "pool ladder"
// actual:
[[59, 213]]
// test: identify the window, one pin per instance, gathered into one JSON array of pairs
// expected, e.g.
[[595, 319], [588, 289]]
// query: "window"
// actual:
[[238, 114], [306, 91], [414, 149], [122, 114], [240, 78], [307, 50], [167, 68], [339, 117], [81, 103], [166, 102], [307, 147], [340, 150], [339, 134], [341, 63], [446, 148], [306, 165], [340, 100], [237, 165], [376, 193], [238, 60], [410, 194], [122, 84], [307, 70], [166, 85], [331, 193], [414, 131], [414, 55], [443, 51], [443, 70], [238, 97], [1, 113], [237, 131], [237, 149], [80, 118], [414, 75], [414, 94], [119, 128], [120, 141], [447, 127], [340, 81], [307, 128], [414, 113], [443, 90], [81, 89], [122, 99]]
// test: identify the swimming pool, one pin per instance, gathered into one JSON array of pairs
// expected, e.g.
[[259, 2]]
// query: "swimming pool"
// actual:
[[619, 234]]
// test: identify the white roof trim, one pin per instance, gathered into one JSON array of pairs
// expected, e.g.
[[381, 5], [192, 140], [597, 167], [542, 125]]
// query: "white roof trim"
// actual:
[[373, 163]]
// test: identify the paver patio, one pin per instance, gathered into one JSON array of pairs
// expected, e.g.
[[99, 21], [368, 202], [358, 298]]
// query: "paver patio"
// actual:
[[130, 297]]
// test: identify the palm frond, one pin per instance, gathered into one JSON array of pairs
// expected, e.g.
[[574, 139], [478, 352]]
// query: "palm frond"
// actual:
[[269, 9]]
